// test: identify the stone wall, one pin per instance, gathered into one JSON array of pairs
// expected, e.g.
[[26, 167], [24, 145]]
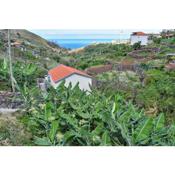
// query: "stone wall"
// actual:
[[10, 100]]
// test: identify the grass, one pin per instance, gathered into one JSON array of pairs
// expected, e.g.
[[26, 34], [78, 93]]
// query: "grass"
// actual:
[[170, 40], [121, 76], [13, 133]]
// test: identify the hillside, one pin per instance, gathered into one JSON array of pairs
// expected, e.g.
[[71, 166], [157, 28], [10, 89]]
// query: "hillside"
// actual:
[[27, 46], [131, 103], [21, 35]]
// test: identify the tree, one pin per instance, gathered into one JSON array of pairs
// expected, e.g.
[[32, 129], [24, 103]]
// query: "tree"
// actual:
[[137, 45]]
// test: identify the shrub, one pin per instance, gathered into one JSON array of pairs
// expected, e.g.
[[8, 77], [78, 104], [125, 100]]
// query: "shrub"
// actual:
[[156, 40], [71, 117], [56, 58], [137, 45], [159, 90], [173, 41]]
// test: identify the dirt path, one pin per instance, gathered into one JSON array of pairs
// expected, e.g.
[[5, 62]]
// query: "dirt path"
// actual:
[[6, 112]]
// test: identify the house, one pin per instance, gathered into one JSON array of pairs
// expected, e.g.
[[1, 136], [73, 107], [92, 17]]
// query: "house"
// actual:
[[139, 37], [120, 41], [70, 75], [16, 44], [19, 45]]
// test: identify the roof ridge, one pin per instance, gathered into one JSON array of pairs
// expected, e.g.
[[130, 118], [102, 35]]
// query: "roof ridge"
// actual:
[[62, 71]]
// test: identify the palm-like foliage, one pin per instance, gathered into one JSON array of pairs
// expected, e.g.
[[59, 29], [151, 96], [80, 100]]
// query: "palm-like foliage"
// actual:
[[71, 117]]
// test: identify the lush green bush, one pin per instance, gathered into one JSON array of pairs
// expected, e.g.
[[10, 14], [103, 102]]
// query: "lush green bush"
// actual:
[[1, 44], [29, 55], [4, 75], [56, 58], [23, 73], [173, 41], [137, 45], [71, 117], [99, 54], [156, 40], [27, 73], [159, 91]]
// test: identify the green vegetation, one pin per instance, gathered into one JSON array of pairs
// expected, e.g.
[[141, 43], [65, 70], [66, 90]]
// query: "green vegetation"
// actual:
[[23, 73], [126, 107], [70, 117], [137, 45], [98, 54], [30, 48], [159, 92], [13, 132], [118, 81], [156, 40]]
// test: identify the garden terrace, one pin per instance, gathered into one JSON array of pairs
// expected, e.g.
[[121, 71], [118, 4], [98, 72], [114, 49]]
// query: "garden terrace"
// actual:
[[123, 66], [99, 69], [168, 45], [144, 52], [126, 67]]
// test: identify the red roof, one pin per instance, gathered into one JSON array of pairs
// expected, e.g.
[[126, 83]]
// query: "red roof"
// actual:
[[61, 71], [139, 33]]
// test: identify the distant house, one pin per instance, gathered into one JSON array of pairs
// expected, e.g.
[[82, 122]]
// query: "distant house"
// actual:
[[139, 37], [19, 45], [16, 44], [70, 75]]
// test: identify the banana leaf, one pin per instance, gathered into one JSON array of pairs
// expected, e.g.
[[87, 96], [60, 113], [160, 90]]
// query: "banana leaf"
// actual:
[[42, 141], [53, 130], [144, 130], [159, 122], [106, 140]]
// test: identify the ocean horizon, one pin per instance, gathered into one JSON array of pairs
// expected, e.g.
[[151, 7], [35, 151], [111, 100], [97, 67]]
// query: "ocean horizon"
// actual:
[[76, 38], [78, 43]]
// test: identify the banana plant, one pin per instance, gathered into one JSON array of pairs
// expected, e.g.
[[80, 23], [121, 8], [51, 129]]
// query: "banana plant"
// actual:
[[71, 117]]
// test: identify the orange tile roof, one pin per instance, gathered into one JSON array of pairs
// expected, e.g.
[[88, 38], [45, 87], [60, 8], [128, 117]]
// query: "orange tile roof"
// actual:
[[139, 33], [61, 71]]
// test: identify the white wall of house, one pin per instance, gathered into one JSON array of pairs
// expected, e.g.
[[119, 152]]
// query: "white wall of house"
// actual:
[[143, 39], [84, 82]]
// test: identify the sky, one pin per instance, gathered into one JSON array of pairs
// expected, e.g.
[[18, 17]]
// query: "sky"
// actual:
[[87, 34]]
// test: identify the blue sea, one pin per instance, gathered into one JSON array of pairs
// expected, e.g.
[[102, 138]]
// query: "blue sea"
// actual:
[[77, 43], [77, 38]]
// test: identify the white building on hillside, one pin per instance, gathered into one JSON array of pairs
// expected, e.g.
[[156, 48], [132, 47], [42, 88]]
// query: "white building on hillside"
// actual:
[[139, 37], [70, 76]]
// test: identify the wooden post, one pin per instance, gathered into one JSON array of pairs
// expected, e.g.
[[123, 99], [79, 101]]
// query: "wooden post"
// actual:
[[10, 62]]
